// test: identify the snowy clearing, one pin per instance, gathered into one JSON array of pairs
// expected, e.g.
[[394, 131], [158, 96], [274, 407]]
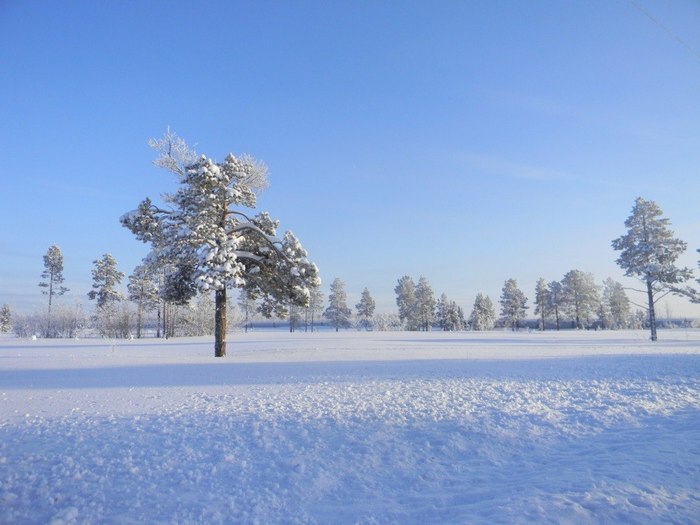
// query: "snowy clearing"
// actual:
[[392, 427]]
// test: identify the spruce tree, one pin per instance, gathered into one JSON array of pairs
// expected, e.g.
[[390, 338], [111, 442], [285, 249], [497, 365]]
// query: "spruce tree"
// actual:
[[365, 311], [338, 312], [5, 319]]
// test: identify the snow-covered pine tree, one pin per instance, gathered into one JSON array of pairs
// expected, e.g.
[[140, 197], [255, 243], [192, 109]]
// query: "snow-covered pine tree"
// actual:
[[442, 311], [555, 299], [483, 316], [462, 318], [580, 297], [5, 319], [365, 311], [513, 307], [338, 312], [105, 279], [425, 304], [616, 304], [449, 315], [542, 302], [53, 283], [213, 243], [143, 291], [455, 317], [648, 251], [406, 301]]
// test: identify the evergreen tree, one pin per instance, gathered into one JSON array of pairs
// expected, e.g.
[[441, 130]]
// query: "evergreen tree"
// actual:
[[338, 312], [580, 297], [213, 243], [365, 311], [483, 316], [616, 304], [425, 304], [442, 312], [53, 283], [542, 302], [513, 308], [105, 279], [315, 306], [406, 301], [555, 299], [648, 251], [449, 316], [5, 319], [455, 317], [144, 292]]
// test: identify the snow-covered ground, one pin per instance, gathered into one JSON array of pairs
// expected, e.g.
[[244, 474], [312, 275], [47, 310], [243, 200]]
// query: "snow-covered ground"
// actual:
[[575, 427]]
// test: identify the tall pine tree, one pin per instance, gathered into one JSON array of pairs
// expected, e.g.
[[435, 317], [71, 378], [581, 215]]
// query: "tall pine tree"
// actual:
[[648, 251], [143, 291], [53, 280], [365, 311], [338, 312], [406, 301], [425, 304], [580, 297], [483, 316], [105, 279], [513, 304], [541, 302]]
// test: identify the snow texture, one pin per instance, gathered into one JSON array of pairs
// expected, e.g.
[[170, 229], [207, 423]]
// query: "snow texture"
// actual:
[[494, 427]]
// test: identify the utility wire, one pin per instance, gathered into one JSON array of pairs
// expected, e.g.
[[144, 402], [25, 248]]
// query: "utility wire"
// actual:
[[666, 29]]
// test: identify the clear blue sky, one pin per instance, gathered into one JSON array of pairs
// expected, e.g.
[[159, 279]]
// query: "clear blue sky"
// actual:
[[469, 142]]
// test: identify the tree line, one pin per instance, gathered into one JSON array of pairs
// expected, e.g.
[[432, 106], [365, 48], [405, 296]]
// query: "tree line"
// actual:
[[575, 301], [204, 243]]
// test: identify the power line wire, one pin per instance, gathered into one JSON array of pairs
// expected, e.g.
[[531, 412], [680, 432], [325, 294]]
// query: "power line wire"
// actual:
[[666, 29]]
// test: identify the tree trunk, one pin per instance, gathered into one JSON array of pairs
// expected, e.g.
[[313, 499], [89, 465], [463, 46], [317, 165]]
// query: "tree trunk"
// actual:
[[652, 313], [139, 319], [48, 320], [542, 317], [158, 324], [165, 319], [220, 324]]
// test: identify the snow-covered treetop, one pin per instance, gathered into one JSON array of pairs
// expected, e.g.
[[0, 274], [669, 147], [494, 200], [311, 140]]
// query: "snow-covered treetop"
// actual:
[[203, 226], [649, 249]]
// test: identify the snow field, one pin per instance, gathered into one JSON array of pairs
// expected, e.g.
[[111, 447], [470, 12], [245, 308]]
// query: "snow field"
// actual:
[[387, 429]]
